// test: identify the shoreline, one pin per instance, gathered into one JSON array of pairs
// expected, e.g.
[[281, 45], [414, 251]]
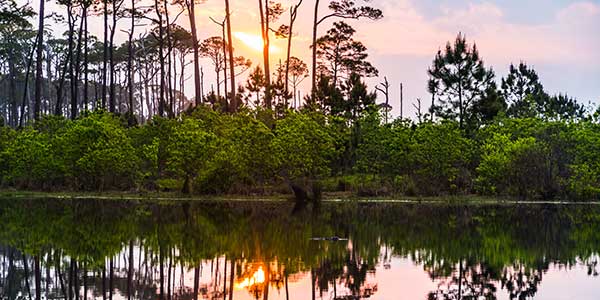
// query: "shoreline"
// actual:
[[327, 198]]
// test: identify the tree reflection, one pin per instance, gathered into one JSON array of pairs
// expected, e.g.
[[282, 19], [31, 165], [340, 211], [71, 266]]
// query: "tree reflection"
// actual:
[[211, 250]]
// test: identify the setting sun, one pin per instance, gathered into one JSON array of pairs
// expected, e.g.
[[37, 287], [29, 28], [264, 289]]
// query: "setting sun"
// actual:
[[254, 42]]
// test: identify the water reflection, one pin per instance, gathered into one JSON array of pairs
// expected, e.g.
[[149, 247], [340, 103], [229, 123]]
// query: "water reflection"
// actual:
[[95, 249]]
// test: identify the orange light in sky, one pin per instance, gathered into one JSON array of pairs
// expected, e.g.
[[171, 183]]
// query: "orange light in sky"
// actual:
[[254, 42]]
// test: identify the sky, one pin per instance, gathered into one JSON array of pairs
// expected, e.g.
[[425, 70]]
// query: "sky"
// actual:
[[559, 38]]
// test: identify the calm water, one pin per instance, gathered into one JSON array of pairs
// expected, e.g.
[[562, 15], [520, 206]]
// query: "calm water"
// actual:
[[264, 250]]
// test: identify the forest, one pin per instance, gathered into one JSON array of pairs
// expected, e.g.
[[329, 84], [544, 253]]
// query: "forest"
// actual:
[[84, 113]]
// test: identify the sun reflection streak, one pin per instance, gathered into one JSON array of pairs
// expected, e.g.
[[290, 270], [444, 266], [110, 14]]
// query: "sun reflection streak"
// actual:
[[257, 278]]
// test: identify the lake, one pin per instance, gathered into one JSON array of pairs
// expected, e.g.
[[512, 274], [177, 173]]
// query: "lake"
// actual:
[[124, 249]]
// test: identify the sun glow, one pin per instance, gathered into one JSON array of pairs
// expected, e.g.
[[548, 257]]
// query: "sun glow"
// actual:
[[254, 42]]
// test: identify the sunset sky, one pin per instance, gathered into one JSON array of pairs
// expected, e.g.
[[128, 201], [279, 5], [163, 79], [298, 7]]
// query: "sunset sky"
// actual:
[[560, 38]]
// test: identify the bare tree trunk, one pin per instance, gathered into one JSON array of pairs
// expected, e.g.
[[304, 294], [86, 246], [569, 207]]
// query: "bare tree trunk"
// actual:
[[226, 108], [161, 100], [264, 20], [196, 281], [233, 101], [192, 14], [26, 87], [130, 271], [231, 278], [110, 278], [314, 50], [38, 278], [85, 62], [75, 82], [293, 15], [105, 60], [26, 270], [169, 62], [130, 60], [38, 67], [112, 96]]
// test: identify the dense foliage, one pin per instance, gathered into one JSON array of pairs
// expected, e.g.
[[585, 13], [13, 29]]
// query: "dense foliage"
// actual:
[[250, 152]]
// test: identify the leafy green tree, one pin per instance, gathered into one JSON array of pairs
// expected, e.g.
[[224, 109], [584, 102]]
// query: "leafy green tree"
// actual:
[[190, 149], [302, 147], [440, 159], [242, 160], [98, 153], [584, 182], [459, 78]]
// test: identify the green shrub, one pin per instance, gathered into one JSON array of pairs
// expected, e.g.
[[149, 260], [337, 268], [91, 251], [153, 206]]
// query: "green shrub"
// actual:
[[98, 153]]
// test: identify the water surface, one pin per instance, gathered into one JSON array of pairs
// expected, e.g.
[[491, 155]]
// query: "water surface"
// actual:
[[267, 250]]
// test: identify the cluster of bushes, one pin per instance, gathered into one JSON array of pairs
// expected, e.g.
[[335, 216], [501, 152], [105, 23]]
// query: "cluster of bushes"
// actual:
[[526, 158], [253, 152]]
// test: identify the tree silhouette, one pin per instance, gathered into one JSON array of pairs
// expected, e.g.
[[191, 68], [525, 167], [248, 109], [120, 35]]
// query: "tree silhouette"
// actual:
[[462, 77]]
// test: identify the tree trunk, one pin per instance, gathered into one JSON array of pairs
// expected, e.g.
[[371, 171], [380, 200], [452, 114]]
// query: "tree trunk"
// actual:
[[26, 85], [264, 20], [75, 82], [130, 271], [231, 278], [314, 51], [38, 278], [38, 67], [105, 59], [85, 63], [293, 15], [197, 88], [110, 278], [196, 281], [130, 60], [226, 108], [161, 100], [111, 99], [233, 102]]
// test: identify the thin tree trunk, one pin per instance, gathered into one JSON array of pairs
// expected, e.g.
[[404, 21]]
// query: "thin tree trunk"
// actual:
[[110, 278], [85, 62], [38, 278], [314, 50], [85, 285], [264, 20], [226, 108], [26, 270], [161, 100], [293, 15], [39, 60], [130, 271], [130, 59], [75, 82], [196, 281], [231, 278], [105, 59], [233, 101], [192, 14], [26, 87]]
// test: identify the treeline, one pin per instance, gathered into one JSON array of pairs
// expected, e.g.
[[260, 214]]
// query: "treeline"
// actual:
[[208, 152]]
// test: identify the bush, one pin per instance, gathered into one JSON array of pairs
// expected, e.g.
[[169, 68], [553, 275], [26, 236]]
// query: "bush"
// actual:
[[440, 159], [98, 153]]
